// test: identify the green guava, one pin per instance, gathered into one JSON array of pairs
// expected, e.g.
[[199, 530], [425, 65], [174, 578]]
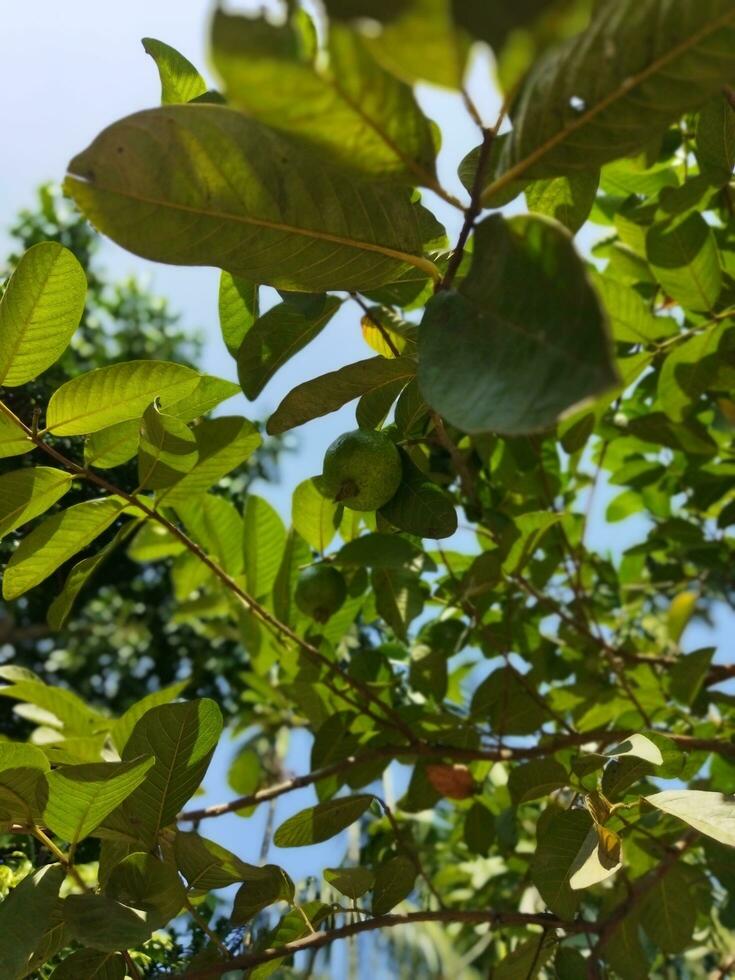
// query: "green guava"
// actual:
[[362, 470], [320, 592]]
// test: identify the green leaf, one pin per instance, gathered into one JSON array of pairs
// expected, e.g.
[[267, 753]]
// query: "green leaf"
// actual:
[[503, 700], [378, 551], [264, 538], [168, 450], [536, 779], [669, 911], [239, 308], [180, 81], [527, 959], [13, 440], [350, 882], [321, 822], [39, 311], [182, 738], [313, 515], [208, 394], [523, 539], [399, 597], [419, 506], [80, 797], [688, 371], [274, 339], [114, 394], [91, 965], [631, 322], [479, 829], [24, 917], [500, 356], [712, 814], [113, 445], [296, 554], [687, 676], [104, 924], [270, 884], [26, 493], [351, 109], [599, 858], [22, 782], [79, 576], [716, 140], [560, 840], [223, 444], [216, 525], [394, 881], [123, 727], [207, 865], [143, 882], [254, 204], [56, 540], [639, 747], [73, 715], [294, 925], [568, 200], [329, 392], [683, 256], [580, 107]]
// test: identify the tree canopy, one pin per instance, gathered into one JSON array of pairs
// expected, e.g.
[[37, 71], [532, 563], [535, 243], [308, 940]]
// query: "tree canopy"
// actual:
[[438, 603]]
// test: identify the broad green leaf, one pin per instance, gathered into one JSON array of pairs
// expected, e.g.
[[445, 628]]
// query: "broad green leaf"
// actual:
[[216, 525], [500, 356], [80, 574], [527, 960], [223, 444], [581, 107], [524, 538], [560, 840], [270, 885], [104, 924], [154, 542], [254, 204], [505, 701], [296, 555], [568, 200], [712, 814], [274, 338], [536, 779], [39, 311], [143, 882], [80, 797], [205, 864], [24, 917], [669, 911], [716, 140], [17, 755], [374, 407], [113, 445], [683, 256], [182, 738], [329, 392], [239, 308], [351, 109], [394, 881], [688, 371], [208, 394], [57, 539], [26, 493], [640, 747], [399, 597], [350, 882], [479, 829], [689, 673], [122, 728], [599, 858], [319, 823], [22, 782], [313, 515], [92, 965], [420, 507], [631, 322], [74, 716], [114, 394], [13, 440], [168, 450], [245, 773], [264, 538], [180, 81], [378, 551]]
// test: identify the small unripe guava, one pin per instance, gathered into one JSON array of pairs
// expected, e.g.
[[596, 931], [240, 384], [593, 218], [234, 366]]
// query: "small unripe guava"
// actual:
[[320, 592], [362, 470]]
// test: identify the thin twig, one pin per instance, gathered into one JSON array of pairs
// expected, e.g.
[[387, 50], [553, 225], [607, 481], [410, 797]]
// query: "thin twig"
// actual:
[[411, 851]]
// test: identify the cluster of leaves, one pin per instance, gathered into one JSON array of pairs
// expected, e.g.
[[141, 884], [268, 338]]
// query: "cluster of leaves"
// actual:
[[538, 688]]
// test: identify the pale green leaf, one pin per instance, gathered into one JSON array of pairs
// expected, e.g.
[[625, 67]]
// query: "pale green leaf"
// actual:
[[26, 493], [527, 959], [350, 882], [640, 747], [313, 515], [264, 538], [239, 308], [209, 392], [180, 81], [321, 822], [631, 322], [683, 256], [568, 200], [599, 858], [399, 597], [216, 525], [168, 450], [67, 708], [154, 542], [39, 311], [113, 445], [712, 814], [14, 441], [123, 727], [688, 371]]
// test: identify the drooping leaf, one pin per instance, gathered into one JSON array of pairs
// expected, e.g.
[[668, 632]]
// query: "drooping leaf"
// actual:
[[180, 81], [208, 393], [256, 204], [239, 308], [683, 256], [26, 493], [560, 841], [313, 515], [296, 555], [669, 911], [394, 881], [103, 924], [92, 965], [56, 540], [399, 597], [39, 311], [712, 814], [207, 865], [275, 337], [536, 779], [331, 391], [114, 394], [352, 110], [640, 747], [568, 200], [72, 714], [319, 823], [122, 728], [498, 356], [144, 882], [24, 917], [419, 506], [168, 450], [80, 797], [264, 538], [262, 888], [350, 882], [599, 858], [581, 104], [378, 551]]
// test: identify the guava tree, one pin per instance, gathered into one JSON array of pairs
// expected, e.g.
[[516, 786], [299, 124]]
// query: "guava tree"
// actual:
[[437, 602]]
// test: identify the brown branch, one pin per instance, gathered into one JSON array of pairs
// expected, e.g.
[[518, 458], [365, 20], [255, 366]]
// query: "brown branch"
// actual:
[[318, 940]]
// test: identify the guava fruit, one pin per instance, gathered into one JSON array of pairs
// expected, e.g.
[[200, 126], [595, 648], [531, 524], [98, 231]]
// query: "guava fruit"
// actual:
[[362, 470], [320, 592]]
